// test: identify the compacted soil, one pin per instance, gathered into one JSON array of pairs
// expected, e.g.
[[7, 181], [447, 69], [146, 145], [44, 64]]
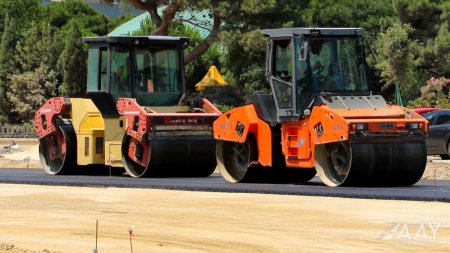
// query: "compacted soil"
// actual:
[[63, 219]]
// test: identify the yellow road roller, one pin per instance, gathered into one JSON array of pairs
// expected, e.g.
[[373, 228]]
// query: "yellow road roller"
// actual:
[[135, 116]]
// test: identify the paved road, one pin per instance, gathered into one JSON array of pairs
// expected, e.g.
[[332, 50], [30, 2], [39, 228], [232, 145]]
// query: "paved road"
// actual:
[[423, 190]]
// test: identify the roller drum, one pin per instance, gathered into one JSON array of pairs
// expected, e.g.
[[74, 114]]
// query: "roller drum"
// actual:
[[387, 164], [390, 163], [67, 162], [174, 156]]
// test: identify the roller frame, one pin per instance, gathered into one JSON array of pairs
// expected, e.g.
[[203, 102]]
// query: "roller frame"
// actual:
[[175, 135]]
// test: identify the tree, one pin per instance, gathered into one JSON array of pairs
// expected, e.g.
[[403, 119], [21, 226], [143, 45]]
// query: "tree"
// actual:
[[394, 59], [169, 17], [90, 21], [243, 21], [50, 52], [73, 63], [34, 51], [431, 21], [368, 14], [245, 59], [6, 64], [23, 11], [245, 46], [30, 90], [28, 54]]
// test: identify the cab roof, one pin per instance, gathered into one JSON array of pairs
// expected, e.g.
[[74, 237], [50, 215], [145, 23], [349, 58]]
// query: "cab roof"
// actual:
[[137, 40], [289, 32]]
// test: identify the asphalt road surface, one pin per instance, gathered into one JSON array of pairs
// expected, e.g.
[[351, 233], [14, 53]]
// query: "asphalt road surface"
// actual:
[[429, 190]]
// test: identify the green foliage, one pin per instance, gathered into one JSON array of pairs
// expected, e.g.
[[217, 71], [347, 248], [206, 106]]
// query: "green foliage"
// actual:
[[33, 39], [431, 21], [394, 59], [441, 49], [9, 40], [145, 29], [91, 23], [28, 53], [73, 63], [6, 64], [50, 52], [413, 42], [245, 59], [368, 14], [34, 50], [24, 11], [29, 90]]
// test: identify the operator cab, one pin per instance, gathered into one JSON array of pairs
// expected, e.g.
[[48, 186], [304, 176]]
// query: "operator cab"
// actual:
[[304, 63], [148, 68]]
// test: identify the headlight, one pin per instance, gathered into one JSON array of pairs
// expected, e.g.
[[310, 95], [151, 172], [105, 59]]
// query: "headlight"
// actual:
[[413, 126], [360, 127]]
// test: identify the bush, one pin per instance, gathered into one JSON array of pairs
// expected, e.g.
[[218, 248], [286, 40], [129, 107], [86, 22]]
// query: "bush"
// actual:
[[433, 94]]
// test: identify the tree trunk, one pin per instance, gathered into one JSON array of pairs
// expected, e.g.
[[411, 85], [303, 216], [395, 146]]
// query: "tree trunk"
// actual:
[[168, 15], [162, 23], [207, 42]]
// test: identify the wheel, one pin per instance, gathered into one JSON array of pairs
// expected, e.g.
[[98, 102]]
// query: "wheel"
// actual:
[[332, 162], [446, 156], [133, 148], [234, 159], [65, 163]]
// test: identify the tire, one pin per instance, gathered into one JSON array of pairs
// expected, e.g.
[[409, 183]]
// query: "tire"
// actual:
[[234, 159], [446, 156]]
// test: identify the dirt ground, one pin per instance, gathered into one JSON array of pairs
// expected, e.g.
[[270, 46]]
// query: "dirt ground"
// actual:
[[55, 219], [63, 219]]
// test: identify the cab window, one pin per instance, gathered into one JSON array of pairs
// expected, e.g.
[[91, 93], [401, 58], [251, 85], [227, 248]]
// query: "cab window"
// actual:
[[282, 73], [120, 70]]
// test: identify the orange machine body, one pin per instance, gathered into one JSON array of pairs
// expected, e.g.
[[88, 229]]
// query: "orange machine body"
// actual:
[[323, 125], [237, 124]]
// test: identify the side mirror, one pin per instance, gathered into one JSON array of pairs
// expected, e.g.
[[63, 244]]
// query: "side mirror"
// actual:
[[303, 51]]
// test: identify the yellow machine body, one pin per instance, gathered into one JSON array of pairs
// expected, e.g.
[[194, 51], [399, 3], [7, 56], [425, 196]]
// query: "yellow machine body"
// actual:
[[96, 144]]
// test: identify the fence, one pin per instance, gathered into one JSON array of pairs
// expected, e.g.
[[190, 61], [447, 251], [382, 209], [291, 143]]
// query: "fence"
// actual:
[[17, 131]]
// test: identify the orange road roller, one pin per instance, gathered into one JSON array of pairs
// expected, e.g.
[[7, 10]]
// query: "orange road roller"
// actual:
[[320, 118]]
